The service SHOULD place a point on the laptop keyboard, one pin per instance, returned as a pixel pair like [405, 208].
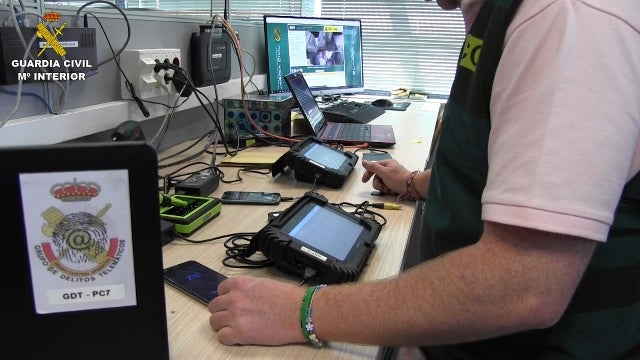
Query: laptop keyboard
[355, 132]
[352, 112]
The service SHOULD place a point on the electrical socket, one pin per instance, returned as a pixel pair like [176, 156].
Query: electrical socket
[139, 64]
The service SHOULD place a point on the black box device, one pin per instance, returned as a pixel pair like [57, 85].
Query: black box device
[318, 241]
[314, 161]
[210, 56]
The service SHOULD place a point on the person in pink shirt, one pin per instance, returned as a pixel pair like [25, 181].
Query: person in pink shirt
[531, 226]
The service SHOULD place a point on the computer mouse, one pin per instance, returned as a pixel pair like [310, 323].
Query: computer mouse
[383, 103]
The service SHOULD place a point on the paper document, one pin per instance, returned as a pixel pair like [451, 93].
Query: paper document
[255, 156]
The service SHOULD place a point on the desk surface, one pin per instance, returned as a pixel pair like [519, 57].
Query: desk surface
[191, 337]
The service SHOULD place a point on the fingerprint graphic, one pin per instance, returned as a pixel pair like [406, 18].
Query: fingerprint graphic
[81, 238]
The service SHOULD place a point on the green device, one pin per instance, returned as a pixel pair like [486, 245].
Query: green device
[193, 212]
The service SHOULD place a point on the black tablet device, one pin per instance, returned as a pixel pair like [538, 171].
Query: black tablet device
[82, 229]
[318, 241]
[314, 161]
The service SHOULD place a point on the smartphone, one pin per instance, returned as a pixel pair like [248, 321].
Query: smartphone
[250, 197]
[375, 156]
[194, 279]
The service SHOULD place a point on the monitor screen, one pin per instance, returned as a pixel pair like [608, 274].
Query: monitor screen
[328, 52]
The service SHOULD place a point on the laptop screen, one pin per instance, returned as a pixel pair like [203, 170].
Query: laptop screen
[308, 105]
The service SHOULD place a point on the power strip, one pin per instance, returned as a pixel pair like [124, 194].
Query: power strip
[140, 67]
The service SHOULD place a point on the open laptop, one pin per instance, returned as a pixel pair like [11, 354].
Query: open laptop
[340, 133]
[81, 229]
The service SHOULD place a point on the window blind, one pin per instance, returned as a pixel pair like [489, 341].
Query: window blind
[247, 10]
[410, 43]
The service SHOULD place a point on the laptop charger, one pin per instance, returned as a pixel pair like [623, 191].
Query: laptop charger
[201, 184]
[198, 211]
[166, 231]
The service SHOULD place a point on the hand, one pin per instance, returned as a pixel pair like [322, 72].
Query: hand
[389, 176]
[257, 311]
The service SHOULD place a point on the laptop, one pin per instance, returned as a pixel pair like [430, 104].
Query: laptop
[374, 135]
[81, 229]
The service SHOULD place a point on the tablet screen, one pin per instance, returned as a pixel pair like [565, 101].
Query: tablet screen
[325, 156]
[325, 230]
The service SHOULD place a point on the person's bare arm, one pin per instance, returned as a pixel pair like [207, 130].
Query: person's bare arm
[513, 279]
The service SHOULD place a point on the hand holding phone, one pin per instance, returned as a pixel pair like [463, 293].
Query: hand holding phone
[194, 279]
[250, 198]
[375, 156]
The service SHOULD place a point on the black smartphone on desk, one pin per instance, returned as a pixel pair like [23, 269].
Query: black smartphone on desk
[194, 279]
[250, 198]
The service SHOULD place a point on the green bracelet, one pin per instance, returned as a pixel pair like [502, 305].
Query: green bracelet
[306, 322]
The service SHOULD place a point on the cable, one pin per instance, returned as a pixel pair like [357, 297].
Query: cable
[164, 126]
[124, 16]
[46, 104]
[185, 81]
[27, 53]
[239, 253]
[363, 211]
[183, 151]
[250, 81]
[128, 85]
[19, 92]
[63, 95]
[236, 44]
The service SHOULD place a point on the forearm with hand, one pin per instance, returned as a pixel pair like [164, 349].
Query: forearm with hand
[513, 279]
[390, 177]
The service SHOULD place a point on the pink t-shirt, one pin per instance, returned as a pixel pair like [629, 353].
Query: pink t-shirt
[565, 113]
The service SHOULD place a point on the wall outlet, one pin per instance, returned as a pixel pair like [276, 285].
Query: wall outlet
[139, 64]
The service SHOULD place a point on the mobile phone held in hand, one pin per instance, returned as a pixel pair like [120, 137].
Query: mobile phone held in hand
[375, 156]
[194, 279]
[250, 198]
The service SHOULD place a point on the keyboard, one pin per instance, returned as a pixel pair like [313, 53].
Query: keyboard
[374, 92]
[355, 132]
[351, 112]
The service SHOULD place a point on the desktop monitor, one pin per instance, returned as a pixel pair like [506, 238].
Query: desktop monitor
[327, 51]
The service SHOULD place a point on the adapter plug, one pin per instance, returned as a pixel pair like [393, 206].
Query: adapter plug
[181, 82]
[201, 184]
[166, 231]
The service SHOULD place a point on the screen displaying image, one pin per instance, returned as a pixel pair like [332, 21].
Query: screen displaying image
[328, 52]
[324, 155]
[325, 230]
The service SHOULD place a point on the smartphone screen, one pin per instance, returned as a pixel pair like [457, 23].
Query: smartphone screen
[194, 279]
[250, 197]
[375, 156]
